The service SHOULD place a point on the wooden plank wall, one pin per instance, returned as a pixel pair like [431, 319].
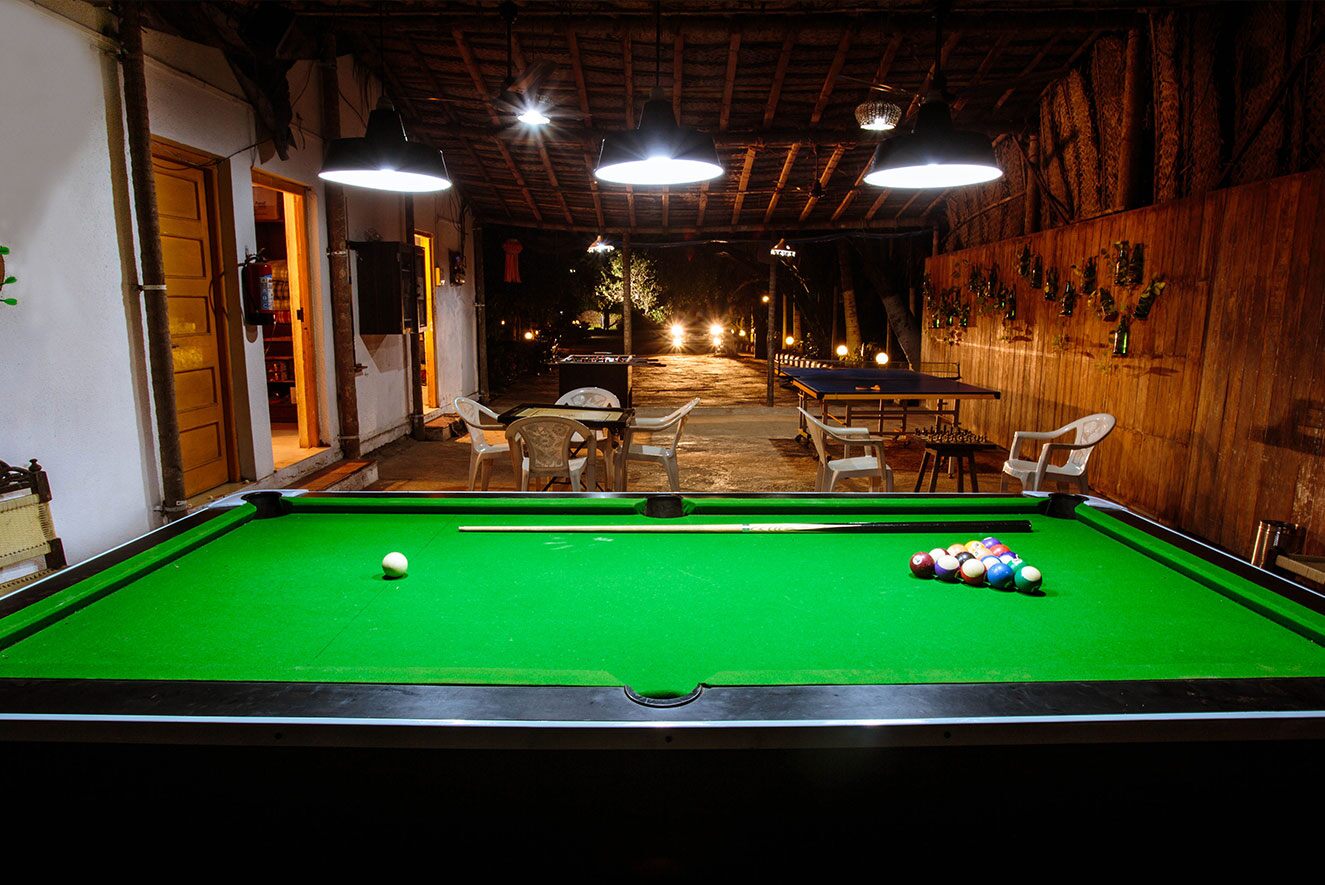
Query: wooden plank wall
[1221, 403]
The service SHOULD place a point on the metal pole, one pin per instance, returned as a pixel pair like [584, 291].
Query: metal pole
[413, 335]
[156, 301]
[338, 261]
[626, 301]
[771, 347]
[481, 314]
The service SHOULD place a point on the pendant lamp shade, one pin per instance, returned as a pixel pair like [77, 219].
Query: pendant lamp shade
[383, 160]
[933, 154]
[659, 152]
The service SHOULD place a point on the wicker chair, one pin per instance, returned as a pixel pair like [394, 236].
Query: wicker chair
[27, 531]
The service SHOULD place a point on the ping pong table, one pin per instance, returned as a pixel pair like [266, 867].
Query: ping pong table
[900, 393]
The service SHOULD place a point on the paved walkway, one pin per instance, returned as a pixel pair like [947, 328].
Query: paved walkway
[733, 442]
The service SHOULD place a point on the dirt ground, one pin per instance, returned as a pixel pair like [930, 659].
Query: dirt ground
[733, 442]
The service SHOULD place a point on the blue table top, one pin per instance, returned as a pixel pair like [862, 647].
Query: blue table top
[888, 383]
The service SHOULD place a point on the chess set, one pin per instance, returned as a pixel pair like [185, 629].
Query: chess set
[957, 436]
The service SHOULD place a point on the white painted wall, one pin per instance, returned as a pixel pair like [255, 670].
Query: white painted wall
[74, 386]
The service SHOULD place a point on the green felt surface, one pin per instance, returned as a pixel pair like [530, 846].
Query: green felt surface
[301, 597]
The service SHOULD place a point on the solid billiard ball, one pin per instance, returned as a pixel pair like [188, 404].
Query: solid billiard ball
[1028, 579]
[395, 565]
[1000, 577]
[946, 568]
[937, 552]
[990, 541]
[922, 565]
[954, 549]
[998, 549]
[962, 557]
[973, 572]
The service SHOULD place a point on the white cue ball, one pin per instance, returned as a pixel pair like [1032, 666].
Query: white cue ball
[395, 565]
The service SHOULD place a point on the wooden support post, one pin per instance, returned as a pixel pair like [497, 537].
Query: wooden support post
[772, 346]
[338, 260]
[155, 299]
[626, 300]
[481, 314]
[850, 318]
[1031, 221]
[1129, 157]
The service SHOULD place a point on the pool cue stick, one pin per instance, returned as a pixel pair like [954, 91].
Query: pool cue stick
[744, 528]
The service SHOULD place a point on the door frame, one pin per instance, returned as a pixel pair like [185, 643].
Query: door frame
[429, 246]
[303, 331]
[215, 182]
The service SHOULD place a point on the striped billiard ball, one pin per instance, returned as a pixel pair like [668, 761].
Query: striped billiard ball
[1028, 579]
[973, 572]
[946, 568]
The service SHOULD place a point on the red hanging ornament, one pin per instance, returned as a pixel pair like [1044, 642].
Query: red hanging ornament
[512, 248]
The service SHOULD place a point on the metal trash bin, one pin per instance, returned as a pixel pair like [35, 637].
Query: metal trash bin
[1275, 536]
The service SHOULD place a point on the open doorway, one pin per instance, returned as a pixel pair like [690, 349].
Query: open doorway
[288, 344]
[428, 358]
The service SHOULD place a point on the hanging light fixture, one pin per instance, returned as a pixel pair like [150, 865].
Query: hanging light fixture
[600, 245]
[383, 160]
[659, 152]
[878, 115]
[782, 250]
[934, 154]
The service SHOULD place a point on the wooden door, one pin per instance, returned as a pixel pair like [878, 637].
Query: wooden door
[194, 286]
[302, 312]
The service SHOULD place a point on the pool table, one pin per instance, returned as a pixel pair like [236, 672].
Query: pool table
[267, 619]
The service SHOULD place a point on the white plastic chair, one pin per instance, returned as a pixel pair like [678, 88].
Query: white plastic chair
[874, 467]
[482, 453]
[1087, 432]
[541, 447]
[664, 435]
[595, 398]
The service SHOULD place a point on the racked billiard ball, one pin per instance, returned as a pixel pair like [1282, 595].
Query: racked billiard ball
[998, 549]
[1029, 579]
[973, 572]
[1000, 577]
[963, 556]
[990, 541]
[937, 552]
[954, 549]
[922, 565]
[989, 561]
[946, 568]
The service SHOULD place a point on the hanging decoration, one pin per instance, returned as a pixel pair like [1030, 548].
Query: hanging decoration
[512, 248]
[1069, 299]
[1087, 272]
[1105, 307]
[1147, 300]
[1024, 262]
[1122, 336]
[1051, 284]
[6, 280]
[457, 268]
[1037, 273]
[1122, 263]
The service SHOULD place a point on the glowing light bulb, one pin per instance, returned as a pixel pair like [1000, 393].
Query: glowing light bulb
[881, 358]
[841, 350]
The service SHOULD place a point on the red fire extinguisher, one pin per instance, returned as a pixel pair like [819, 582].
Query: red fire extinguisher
[258, 291]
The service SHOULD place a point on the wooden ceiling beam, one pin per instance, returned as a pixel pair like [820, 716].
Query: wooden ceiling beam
[787, 163]
[481, 90]
[743, 228]
[779, 75]
[994, 53]
[628, 73]
[742, 185]
[877, 205]
[949, 45]
[880, 76]
[552, 179]
[678, 72]
[934, 202]
[465, 143]
[915, 195]
[729, 81]
[1034, 63]
[586, 115]
[830, 81]
[829, 168]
